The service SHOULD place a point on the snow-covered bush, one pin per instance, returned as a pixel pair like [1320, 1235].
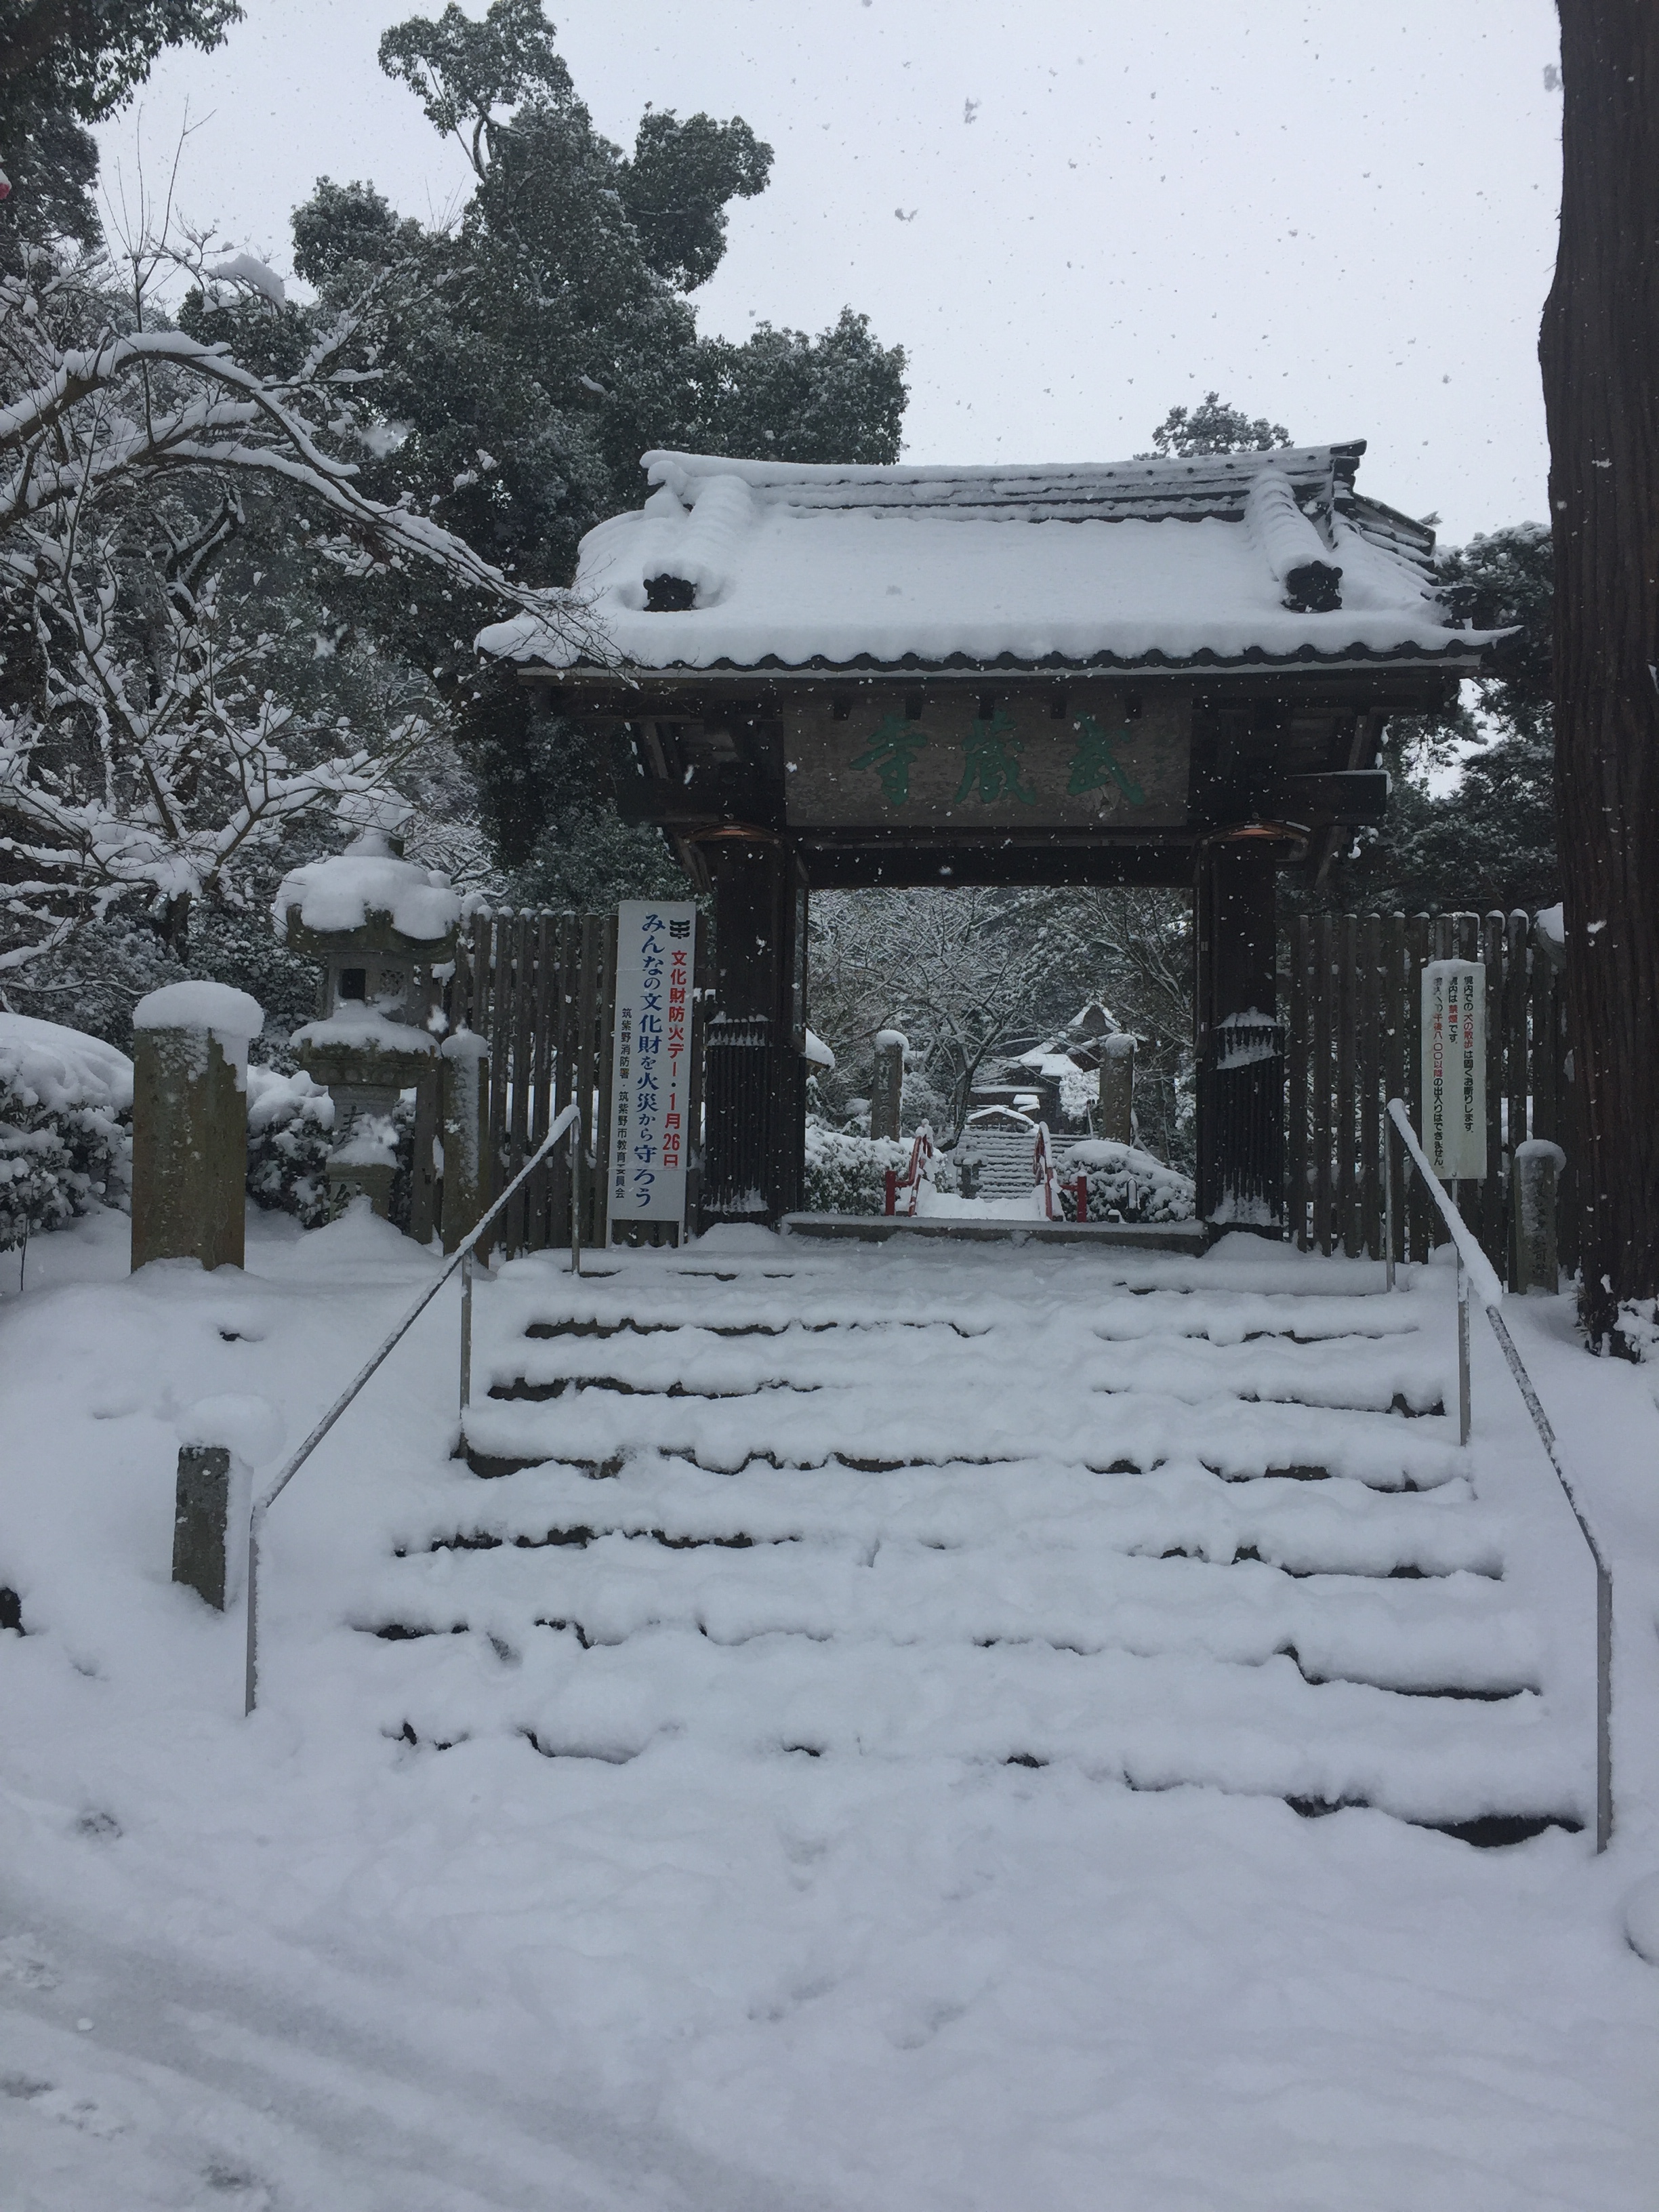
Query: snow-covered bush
[290, 1133]
[847, 1174]
[1125, 1183]
[1636, 1337]
[65, 1126]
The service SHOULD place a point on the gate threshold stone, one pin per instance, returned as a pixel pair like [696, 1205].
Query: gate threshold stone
[1190, 1236]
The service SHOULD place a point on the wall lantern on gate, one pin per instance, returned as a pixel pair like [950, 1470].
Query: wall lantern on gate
[384, 930]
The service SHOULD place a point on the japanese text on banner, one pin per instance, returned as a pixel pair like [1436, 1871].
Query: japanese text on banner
[651, 1063]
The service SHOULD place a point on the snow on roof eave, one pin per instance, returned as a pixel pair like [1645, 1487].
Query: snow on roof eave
[1467, 647]
[661, 464]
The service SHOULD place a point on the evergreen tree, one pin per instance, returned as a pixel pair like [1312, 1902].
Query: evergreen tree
[1212, 426]
[531, 355]
[1489, 841]
[64, 63]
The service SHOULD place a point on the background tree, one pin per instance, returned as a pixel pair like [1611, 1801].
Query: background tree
[551, 339]
[64, 64]
[1213, 426]
[1599, 349]
[972, 974]
[1489, 840]
[149, 747]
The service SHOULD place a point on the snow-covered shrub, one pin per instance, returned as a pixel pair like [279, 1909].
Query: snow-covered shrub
[290, 1133]
[65, 1126]
[1125, 1183]
[1636, 1337]
[847, 1174]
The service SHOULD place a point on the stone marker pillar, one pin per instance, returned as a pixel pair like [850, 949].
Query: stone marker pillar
[1117, 1088]
[190, 1123]
[201, 1521]
[1537, 1261]
[888, 1088]
[465, 1134]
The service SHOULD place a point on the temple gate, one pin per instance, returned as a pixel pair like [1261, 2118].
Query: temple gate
[1172, 673]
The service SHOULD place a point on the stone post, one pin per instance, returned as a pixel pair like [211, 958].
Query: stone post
[465, 1133]
[888, 1087]
[201, 1521]
[1537, 1263]
[1117, 1088]
[190, 1123]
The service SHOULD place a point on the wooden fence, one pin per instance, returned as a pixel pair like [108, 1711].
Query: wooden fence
[541, 987]
[1354, 998]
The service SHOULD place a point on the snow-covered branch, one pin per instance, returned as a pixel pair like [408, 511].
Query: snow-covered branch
[75, 432]
[145, 751]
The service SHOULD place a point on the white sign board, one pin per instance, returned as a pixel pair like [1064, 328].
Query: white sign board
[651, 1061]
[1455, 1068]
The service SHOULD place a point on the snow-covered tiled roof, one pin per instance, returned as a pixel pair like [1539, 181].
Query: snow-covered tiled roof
[1236, 557]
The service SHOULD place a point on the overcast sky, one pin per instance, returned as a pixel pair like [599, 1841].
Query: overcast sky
[1343, 216]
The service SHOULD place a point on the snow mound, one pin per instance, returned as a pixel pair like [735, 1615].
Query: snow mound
[250, 1428]
[370, 1032]
[201, 1005]
[1125, 1183]
[369, 879]
[52, 1066]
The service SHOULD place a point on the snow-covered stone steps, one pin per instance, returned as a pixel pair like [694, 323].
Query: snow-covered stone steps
[1339, 1527]
[1397, 1373]
[1157, 1720]
[1428, 1636]
[1163, 1520]
[870, 1428]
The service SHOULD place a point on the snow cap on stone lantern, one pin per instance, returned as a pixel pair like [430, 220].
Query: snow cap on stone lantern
[372, 918]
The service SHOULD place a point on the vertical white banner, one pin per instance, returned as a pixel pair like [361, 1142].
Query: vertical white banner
[651, 1061]
[1455, 1068]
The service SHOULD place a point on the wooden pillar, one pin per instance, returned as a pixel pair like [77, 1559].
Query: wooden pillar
[755, 1064]
[1240, 1044]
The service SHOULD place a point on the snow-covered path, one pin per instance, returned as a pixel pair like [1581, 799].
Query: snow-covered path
[323, 1967]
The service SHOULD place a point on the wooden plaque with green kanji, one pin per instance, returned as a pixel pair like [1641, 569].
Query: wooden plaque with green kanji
[1112, 761]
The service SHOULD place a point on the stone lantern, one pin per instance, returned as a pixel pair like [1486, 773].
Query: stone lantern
[383, 929]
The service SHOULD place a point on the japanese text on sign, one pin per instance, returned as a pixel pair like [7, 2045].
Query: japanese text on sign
[1455, 1068]
[651, 1061]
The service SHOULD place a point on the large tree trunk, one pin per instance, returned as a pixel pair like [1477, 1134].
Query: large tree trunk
[1598, 348]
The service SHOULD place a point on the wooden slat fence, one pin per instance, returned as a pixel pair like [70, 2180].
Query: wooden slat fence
[1353, 997]
[541, 987]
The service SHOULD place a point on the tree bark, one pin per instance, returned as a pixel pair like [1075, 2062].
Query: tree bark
[1599, 351]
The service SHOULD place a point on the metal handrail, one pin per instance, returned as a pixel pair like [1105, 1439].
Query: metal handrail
[1475, 1269]
[462, 1257]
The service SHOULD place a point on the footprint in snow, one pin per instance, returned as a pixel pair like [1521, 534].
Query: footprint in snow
[23, 1963]
[54, 2103]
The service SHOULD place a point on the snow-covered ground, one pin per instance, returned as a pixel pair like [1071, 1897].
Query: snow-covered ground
[295, 1961]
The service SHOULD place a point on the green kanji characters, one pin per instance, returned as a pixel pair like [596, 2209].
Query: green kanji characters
[1094, 763]
[891, 753]
[991, 753]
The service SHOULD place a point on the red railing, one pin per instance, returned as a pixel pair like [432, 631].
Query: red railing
[921, 1151]
[1042, 1172]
